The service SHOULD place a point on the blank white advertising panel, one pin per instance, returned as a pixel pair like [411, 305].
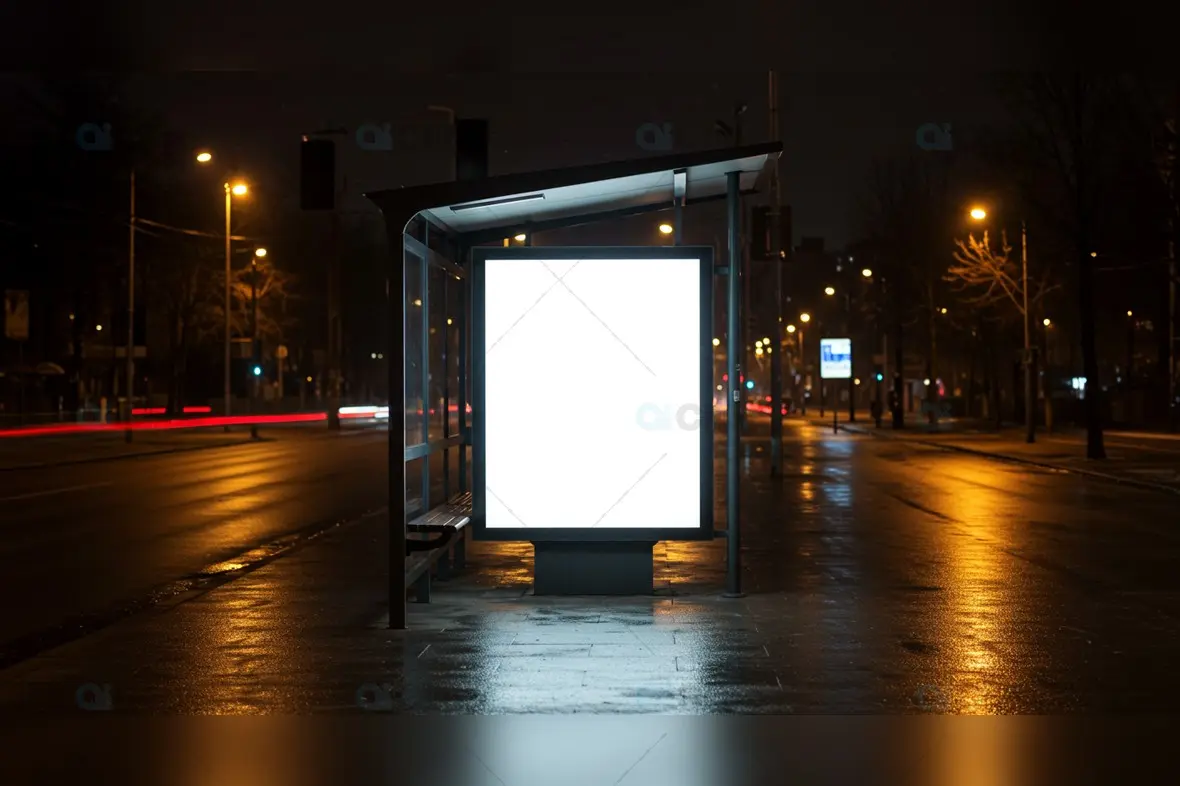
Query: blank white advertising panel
[592, 393]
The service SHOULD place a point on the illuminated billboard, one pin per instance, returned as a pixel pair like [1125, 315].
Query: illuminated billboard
[592, 404]
[835, 358]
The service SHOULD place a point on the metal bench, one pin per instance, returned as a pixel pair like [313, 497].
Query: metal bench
[437, 539]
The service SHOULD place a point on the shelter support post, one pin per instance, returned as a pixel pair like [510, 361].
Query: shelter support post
[733, 404]
[395, 287]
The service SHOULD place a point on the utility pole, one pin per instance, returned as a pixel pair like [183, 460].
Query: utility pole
[852, 358]
[1030, 435]
[776, 360]
[130, 313]
[228, 273]
[254, 344]
[1170, 177]
[334, 342]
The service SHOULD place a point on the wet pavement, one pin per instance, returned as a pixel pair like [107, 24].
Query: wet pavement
[1147, 459]
[881, 577]
[85, 543]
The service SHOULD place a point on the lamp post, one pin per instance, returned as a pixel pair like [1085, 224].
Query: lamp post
[238, 189]
[256, 368]
[1030, 429]
[130, 315]
[804, 318]
[231, 190]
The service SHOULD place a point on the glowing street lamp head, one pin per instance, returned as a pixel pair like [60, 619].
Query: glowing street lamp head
[978, 213]
[758, 344]
[867, 273]
[238, 189]
[805, 317]
[665, 229]
[521, 237]
[204, 157]
[260, 252]
[1047, 322]
[829, 291]
[791, 328]
[716, 342]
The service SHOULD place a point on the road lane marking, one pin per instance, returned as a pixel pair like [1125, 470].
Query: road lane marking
[51, 492]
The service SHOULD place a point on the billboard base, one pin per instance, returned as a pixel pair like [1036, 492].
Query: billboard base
[593, 568]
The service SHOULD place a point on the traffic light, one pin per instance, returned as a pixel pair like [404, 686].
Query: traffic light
[317, 174]
[749, 384]
[258, 371]
[880, 376]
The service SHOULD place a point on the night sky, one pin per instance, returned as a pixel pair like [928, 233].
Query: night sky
[565, 85]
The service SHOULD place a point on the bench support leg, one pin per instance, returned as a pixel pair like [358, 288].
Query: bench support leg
[444, 564]
[422, 588]
[461, 550]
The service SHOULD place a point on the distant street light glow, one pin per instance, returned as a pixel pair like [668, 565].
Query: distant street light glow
[791, 328]
[805, 317]
[978, 213]
[665, 229]
[1047, 322]
[204, 158]
[521, 237]
[260, 252]
[829, 291]
[716, 342]
[867, 273]
[238, 189]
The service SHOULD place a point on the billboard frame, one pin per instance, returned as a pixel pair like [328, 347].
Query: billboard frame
[822, 341]
[704, 530]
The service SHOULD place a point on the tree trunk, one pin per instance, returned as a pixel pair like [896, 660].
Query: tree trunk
[898, 365]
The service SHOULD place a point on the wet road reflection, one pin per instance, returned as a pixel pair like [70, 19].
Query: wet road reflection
[879, 578]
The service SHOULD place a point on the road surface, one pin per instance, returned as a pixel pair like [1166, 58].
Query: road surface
[96, 538]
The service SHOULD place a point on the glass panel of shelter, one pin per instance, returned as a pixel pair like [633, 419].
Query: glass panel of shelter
[436, 327]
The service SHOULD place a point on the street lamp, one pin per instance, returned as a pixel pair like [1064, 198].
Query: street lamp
[790, 328]
[521, 237]
[231, 190]
[867, 273]
[979, 214]
[665, 229]
[805, 317]
[829, 291]
[716, 342]
[260, 252]
[1046, 322]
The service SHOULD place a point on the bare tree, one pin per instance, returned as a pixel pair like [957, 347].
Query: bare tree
[988, 277]
[1071, 127]
[273, 288]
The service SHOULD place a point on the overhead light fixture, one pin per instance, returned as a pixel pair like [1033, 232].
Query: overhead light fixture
[512, 200]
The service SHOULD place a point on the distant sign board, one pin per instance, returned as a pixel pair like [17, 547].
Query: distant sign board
[16, 314]
[835, 358]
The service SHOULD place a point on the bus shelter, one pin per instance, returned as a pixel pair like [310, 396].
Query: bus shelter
[440, 233]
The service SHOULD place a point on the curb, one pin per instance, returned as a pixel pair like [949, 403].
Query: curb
[1132, 482]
